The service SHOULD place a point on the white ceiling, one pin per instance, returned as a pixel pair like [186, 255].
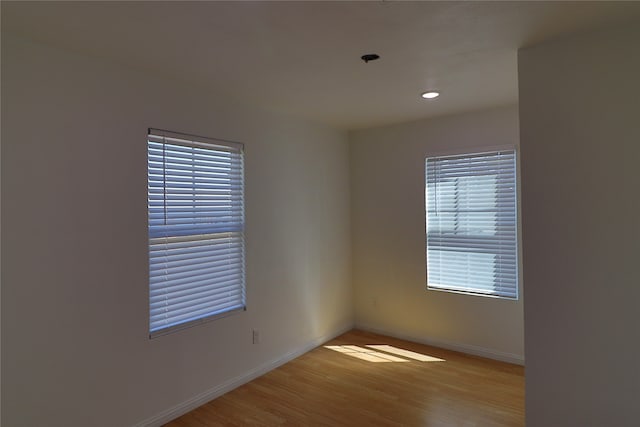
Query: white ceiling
[303, 58]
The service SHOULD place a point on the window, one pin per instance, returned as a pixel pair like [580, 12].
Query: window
[196, 230]
[472, 224]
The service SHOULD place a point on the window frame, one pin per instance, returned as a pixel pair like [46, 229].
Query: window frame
[474, 151]
[210, 229]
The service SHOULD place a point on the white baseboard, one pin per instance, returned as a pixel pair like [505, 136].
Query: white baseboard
[462, 348]
[208, 395]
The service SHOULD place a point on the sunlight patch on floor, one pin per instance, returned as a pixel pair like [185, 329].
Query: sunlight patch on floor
[406, 353]
[364, 353]
[382, 353]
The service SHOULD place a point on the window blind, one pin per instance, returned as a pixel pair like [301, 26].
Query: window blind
[472, 224]
[196, 229]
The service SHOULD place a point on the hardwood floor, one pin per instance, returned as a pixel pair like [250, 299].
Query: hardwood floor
[350, 381]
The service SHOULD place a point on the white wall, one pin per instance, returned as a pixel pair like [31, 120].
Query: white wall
[388, 237]
[580, 138]
[75, 341]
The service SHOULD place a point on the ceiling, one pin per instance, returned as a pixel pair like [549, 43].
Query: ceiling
[303, 58]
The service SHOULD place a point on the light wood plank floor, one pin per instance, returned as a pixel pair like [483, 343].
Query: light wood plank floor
[363, 379]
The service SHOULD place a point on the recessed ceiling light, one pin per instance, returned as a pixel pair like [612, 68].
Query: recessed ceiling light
[430, 95]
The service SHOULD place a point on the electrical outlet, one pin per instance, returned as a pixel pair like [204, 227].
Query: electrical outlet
[256, 336]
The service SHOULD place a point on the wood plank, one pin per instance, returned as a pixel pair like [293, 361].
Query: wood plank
[365, 379]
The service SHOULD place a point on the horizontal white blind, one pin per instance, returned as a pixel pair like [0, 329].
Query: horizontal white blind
[471, 224]
[196, 229]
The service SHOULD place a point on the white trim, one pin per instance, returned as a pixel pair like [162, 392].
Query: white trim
[217, 391]
[462, 348]
[472, 150]
[194, 140]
